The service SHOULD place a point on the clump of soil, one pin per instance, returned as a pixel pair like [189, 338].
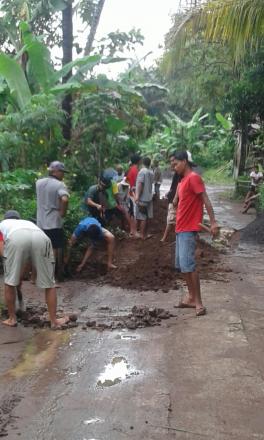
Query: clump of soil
[138, 318]
[254, 232]
[37, 317]
[149, 265]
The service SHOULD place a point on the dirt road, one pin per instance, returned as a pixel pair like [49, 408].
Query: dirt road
[187, 378]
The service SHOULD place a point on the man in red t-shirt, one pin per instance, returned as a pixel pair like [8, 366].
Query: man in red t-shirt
[190, 199]
[131, 178]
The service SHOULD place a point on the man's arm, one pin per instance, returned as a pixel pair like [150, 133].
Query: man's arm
[139, 189]
[176, 199]
[64, 201]
[91, 203]
[208, 206]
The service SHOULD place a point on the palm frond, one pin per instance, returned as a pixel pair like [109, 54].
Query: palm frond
[238, 23]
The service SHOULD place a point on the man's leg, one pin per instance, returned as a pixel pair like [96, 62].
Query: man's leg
[51, 300]
[10, 298]
[185, 253]
[166, 232]
[193, 283]
[110, 240]
[143, 229]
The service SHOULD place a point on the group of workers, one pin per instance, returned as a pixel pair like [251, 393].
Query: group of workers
[126, 196]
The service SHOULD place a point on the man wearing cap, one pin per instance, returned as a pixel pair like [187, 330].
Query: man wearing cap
[91, 228]
[102, 201]
[189, 201]
[52, 204]
[21, 241]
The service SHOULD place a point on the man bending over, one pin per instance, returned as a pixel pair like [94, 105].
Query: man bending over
[91, 228]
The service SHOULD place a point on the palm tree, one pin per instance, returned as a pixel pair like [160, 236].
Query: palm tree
[238, 23]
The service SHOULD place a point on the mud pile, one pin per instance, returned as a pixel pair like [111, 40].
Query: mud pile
[37, 317]
[138, 318]
[148, 265]
[254, 232]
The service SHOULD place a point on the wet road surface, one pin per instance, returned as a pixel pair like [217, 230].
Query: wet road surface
[186, 379]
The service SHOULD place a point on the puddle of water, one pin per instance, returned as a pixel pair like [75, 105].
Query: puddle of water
[39, 352]
[126, 337]
[91, 421]
[115, 372]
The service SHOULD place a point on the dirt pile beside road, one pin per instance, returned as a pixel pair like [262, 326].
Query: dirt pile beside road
[149, 265]
[254, 232]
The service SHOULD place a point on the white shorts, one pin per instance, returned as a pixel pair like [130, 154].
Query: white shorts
[26, 245]
[171, 216]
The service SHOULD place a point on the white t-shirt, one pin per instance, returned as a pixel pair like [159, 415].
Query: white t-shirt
[10, 225]
[255, 177]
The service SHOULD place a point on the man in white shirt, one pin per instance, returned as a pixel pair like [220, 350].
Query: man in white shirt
[22, 241]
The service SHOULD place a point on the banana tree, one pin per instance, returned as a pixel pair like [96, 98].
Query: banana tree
[40, 75]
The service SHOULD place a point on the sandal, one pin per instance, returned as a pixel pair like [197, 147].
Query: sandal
[183, 305]
[201, 311]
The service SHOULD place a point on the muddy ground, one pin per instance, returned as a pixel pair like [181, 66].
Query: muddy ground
[149, 265]
[185, 378]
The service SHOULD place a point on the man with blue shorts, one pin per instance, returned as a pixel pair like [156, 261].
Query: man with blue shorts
[189, 200]
[91, 228]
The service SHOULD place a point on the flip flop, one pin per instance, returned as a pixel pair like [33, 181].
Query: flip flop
[183, 305]
[201, 311]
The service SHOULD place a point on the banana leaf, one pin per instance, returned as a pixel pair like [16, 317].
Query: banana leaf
[13, 73]
[39, 64]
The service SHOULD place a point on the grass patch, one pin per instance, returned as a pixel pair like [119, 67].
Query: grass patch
[218, 176]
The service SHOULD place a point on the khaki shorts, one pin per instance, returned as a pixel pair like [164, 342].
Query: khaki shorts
[144, 210]
[26, 245]
[171, 216]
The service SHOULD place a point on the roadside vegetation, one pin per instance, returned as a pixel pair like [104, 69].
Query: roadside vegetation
[205, 94]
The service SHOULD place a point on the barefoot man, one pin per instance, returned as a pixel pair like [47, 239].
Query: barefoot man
[189, 200]
[91, 228]
[22, 241]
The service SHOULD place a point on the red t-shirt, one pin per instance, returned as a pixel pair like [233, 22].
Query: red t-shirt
[190, 206]
[132, 175]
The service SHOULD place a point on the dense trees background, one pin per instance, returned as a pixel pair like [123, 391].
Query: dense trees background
[204, 94]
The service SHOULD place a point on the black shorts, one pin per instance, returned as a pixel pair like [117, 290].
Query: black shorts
[56, 237]
[252, 188]
[109, 213]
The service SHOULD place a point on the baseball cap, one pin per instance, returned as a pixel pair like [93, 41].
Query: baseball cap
[11, 214]
[57, 166]
[105, 180]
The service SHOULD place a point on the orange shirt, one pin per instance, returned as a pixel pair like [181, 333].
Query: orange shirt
[190, 206]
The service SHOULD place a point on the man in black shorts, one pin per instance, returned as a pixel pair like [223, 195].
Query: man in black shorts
[52, 204]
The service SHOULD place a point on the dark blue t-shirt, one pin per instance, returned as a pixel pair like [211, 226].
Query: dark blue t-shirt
[84, 225]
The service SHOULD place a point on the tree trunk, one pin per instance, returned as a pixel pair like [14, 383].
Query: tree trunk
[94, 26]
[241, 152]
[67, 44]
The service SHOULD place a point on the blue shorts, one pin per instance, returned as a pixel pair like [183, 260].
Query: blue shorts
[185, 251]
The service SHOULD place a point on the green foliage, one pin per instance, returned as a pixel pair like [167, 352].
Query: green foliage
[17, 191]
[261, 199]
[15, 78]
[74, 214]
[107, 128]
[32, 137]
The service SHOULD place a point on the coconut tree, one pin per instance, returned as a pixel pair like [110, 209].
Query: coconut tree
[238, 23]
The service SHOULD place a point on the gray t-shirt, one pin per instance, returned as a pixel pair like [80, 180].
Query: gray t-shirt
[145, 176]
[49, 192]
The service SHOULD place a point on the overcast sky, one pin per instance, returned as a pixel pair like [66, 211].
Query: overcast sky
[152, 17]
